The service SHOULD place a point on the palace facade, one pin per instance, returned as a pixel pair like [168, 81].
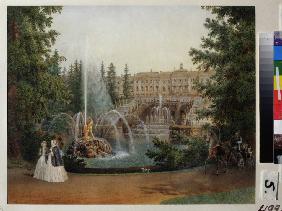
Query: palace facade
[177, 83]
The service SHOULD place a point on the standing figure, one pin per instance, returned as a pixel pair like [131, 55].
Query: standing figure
[236, 141]
[55, 168]
[41, 165]
[56, 157]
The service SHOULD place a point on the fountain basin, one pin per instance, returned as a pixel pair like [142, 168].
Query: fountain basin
[122, 158]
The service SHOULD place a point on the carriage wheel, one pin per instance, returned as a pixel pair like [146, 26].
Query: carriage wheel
[250, 162]
[241, 162]
[232, 160]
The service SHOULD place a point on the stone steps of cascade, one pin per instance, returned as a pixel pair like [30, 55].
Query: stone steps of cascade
[123, 109]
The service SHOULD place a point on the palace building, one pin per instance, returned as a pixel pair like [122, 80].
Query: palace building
[177, 83]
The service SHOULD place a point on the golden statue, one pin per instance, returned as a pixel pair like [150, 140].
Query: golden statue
[87, 129]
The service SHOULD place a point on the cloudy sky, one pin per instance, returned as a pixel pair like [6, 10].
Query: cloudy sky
[144, 37]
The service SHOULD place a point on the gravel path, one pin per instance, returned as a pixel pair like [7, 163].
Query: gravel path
[140, 188]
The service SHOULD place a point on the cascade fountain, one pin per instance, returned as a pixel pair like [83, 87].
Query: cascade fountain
[158, 121]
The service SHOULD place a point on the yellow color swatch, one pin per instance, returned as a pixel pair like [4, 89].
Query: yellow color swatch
[275, 84]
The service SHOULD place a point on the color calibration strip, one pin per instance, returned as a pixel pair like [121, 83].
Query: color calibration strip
[277, 96]
[266, 96]
[277, 80]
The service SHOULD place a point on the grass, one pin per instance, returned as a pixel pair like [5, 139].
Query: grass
[239, 196]
[19, 163]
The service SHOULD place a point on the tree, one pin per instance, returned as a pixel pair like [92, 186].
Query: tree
[54, 63]
[35, 88]
[74, 82]
[102, 71]
[229, 50]
[111, 83]
[127, 88]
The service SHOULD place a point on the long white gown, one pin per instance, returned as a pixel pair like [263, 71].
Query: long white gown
[55, 173]
[41, 165]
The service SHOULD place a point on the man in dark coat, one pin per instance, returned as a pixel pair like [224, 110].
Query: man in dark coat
[56, 157]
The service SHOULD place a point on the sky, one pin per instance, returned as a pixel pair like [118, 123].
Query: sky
[144, 37]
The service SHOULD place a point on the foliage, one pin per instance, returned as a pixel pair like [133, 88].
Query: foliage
[31, 143]
[196, 153]
[74, 83]
[53, 63]
[71, 162]
[178, 138]
[35, 87]
[229, 51]
[111, 83]
[167, 156]
[127, 86]
[174, 156]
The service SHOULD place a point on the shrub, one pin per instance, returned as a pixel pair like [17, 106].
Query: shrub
[166, 155]
[71, 162]
[196, 153]
[174, 156]
[31, 143]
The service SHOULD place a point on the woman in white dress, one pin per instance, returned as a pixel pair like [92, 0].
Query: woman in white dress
[55, 171]
[41, 165]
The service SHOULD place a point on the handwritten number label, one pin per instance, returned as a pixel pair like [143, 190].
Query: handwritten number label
[269, 184]
[270, 208]
[270, 181]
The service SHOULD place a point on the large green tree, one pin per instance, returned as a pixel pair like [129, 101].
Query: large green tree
[127, 87]
[35, 88]
[111, 83]
[229, 51]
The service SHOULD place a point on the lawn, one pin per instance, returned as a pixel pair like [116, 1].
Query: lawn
[239, 196]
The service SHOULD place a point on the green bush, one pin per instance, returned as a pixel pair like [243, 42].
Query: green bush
[174, 156]
[178, 138]
[31, 143]
[167, 155]
[196, 153]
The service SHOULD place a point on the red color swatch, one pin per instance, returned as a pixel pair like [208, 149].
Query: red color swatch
[277, 106]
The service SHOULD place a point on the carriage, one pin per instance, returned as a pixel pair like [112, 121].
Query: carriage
[225, 155]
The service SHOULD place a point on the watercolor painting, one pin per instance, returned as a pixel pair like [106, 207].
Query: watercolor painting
[131, 104]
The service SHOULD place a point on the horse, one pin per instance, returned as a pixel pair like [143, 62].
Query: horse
[217, 151]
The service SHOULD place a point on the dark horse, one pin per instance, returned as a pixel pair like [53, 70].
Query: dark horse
[217, 152]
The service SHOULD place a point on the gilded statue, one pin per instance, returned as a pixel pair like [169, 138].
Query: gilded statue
[87, 129]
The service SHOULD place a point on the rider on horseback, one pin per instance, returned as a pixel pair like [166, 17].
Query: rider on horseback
[236, 141]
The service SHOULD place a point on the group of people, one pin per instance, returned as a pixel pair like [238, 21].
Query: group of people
[50, 165]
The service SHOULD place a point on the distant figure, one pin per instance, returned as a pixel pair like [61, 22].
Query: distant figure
[55, 171]
[60, 145]
[236, 141]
